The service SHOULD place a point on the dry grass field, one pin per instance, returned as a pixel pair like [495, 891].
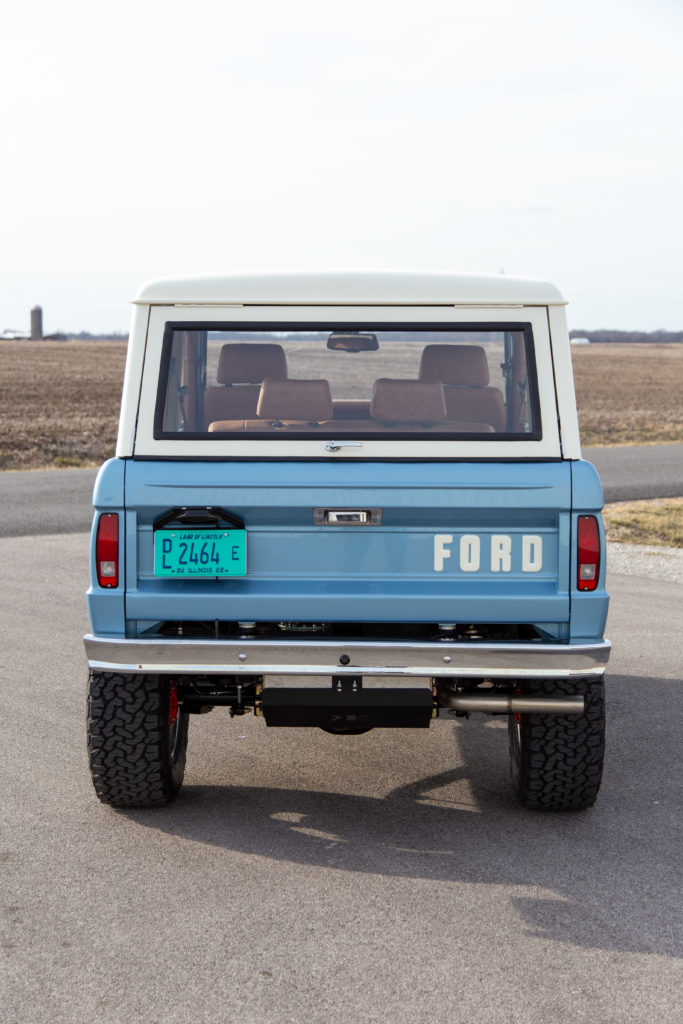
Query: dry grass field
[629, 394]
[658, 521]
[59, 401]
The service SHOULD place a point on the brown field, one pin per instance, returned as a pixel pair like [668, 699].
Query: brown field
[629, 394]
[59, 401]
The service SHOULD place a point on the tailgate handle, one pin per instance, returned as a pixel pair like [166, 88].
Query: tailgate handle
[347, 516]
[334, 446]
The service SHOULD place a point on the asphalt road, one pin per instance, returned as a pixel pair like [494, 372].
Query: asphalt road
[646, 471]
[58, 501]
[302, 877]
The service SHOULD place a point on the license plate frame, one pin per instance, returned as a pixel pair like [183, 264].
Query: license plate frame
[202, 553]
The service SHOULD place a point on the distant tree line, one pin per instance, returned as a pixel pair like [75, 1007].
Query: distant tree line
[88, 336]
[651, 337]
[624, 337]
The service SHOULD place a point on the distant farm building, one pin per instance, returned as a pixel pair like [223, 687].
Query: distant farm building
[36, 323]
[10, 335]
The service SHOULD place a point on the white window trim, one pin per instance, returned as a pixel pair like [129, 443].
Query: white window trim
[147, 445]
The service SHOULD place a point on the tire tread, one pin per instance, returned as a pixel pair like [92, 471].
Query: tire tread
[559, 766]
[128, 740]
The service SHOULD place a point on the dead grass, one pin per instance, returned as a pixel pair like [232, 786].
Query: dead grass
[629, 394]
[659, 521]
[59, 401]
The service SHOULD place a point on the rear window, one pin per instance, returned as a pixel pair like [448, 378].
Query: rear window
[347, 381]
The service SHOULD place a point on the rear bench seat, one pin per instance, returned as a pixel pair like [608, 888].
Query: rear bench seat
[306, 405]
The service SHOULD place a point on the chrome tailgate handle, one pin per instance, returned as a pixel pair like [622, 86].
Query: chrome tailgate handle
[347, 516]
[334, 446]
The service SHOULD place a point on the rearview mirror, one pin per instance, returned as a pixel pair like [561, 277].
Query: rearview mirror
[352, 342]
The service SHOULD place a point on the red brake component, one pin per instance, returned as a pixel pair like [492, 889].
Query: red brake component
[173, 703]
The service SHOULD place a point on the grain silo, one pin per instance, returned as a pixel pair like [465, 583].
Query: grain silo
[36, 323]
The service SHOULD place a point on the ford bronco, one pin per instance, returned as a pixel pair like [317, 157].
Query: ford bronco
[348, 501]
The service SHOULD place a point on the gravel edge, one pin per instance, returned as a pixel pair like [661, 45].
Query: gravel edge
[648, 560]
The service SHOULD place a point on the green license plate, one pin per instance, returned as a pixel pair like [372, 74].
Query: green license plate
[195, 553]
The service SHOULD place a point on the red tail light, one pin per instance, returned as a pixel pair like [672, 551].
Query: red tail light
[107, 550]
[588, 570]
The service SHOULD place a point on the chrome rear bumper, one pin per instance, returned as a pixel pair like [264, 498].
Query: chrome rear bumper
[333, 657]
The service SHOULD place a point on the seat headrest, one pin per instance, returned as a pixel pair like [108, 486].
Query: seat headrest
[250, 363]
[408, 401]
[455, 364]
[294, 401]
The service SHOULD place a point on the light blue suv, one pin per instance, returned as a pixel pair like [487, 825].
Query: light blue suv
[348, 501]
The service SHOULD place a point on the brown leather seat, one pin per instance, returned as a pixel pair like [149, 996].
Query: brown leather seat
[242, 367]
[285, 402]
[407, 401]
[464, 372]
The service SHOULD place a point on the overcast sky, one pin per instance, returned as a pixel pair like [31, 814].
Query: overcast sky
[142, 139]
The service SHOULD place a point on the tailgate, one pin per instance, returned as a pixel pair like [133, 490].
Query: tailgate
[445, 542]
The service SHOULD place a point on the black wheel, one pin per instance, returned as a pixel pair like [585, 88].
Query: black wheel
[137, 739]
[556, 760]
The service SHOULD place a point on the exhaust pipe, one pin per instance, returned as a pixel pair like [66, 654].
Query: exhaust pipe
[514, 705]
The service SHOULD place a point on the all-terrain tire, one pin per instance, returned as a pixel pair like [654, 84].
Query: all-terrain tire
[137, 739]
[556, 760]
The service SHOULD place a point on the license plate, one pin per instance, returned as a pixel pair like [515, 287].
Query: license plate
[196, 553]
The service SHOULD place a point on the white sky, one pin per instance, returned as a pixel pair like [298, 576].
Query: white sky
[140, 139]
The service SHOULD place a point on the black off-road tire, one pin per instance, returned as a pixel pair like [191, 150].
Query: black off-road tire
[137, 739]
[556, 760]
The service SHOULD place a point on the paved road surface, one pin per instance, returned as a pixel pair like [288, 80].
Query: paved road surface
[58, 501]
[308, 878]
[46, 501]
[647, 471]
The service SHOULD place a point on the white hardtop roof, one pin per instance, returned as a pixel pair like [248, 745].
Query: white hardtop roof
[330, 288]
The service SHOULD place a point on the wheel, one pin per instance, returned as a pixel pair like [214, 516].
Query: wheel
[556, 760]
[137, 739]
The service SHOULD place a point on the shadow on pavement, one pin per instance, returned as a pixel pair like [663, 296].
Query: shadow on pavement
[589, 883]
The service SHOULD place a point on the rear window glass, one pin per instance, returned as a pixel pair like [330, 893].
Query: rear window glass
[342, 381]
